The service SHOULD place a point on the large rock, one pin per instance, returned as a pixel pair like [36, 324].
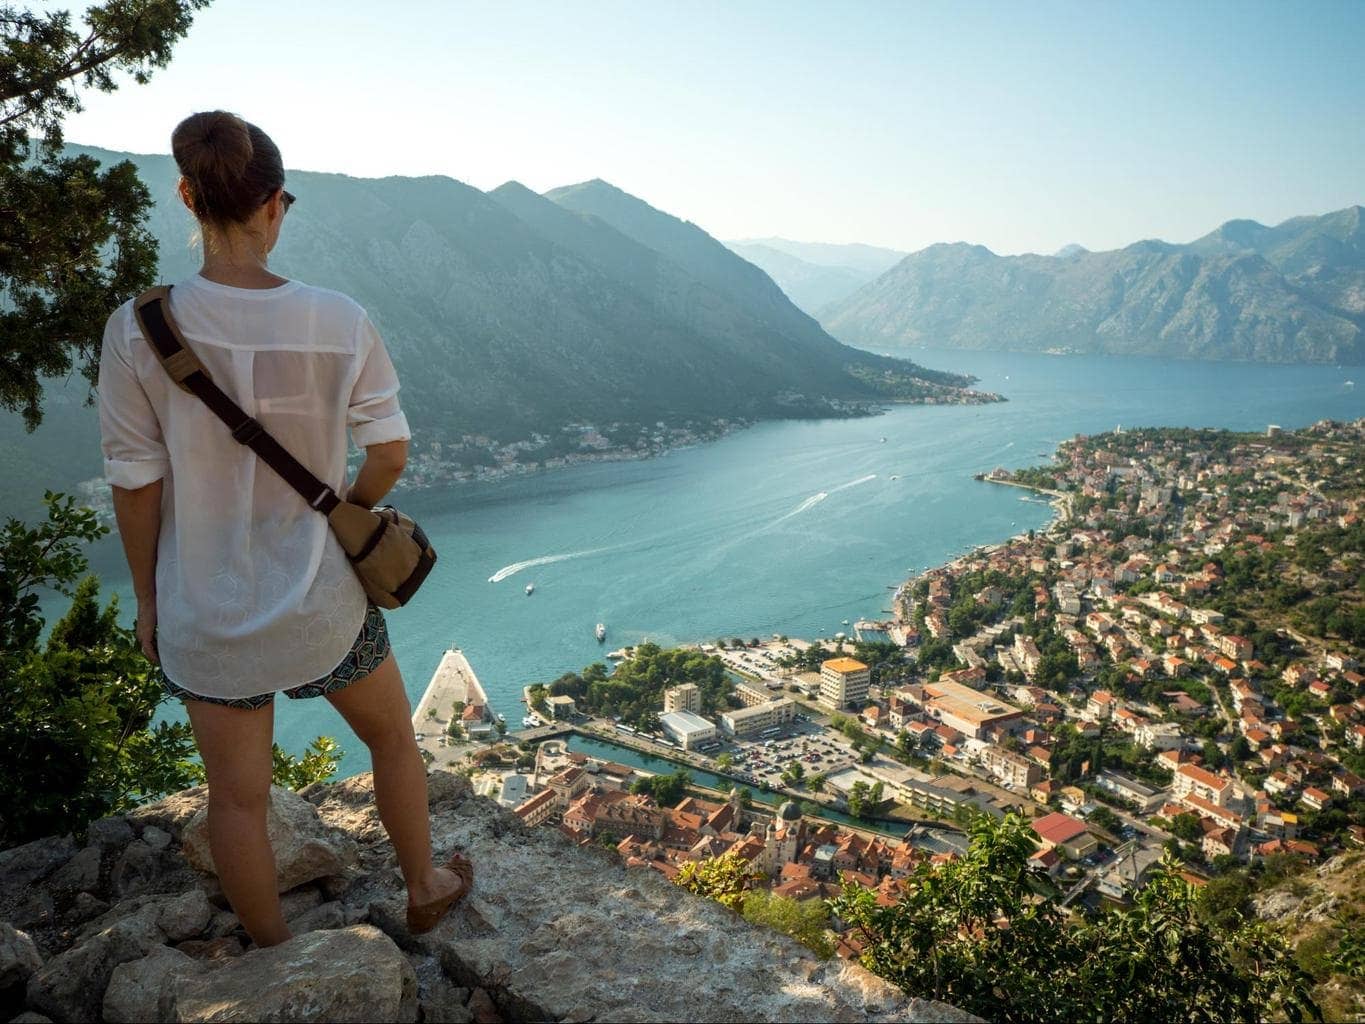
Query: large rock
[171, 813]
[185, 916]
[32, 862]
[175, 917]
[109, 833]
[356, 974]
[144, 990]
[24, 902]
[19, 959]
[79, 874]
[305, 849]
[18, 956]
[136, 870]
[71, 986]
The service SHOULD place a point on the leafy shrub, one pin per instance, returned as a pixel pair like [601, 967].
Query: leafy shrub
[977, 934]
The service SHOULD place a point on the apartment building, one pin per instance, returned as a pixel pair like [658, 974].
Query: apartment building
[844, 683]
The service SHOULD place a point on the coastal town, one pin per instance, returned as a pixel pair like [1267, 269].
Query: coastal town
[1172, 667]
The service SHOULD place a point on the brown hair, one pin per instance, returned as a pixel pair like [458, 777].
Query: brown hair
[231, 165]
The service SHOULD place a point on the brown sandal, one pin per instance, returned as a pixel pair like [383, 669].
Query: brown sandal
[426, 916]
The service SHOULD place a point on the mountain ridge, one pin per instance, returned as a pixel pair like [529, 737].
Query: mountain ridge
[1292, 292]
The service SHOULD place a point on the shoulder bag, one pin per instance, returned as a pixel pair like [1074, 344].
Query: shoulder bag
[390, 553]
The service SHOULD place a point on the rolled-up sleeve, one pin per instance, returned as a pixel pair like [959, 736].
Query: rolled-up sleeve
[373, 414]
[130, 433]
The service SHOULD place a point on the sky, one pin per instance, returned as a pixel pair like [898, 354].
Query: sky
[1020, 126]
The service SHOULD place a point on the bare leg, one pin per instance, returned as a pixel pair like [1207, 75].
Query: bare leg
[235, 746]
[377, 710]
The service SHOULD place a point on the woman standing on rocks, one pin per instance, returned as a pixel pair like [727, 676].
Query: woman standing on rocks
[241, 587]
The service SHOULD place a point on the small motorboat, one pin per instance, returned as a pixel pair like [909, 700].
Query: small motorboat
[600, 632]
[530, 589]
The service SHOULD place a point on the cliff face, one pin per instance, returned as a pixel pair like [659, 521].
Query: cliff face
[126, 928]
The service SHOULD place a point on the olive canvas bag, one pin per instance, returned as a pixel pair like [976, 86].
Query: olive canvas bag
[390, 553]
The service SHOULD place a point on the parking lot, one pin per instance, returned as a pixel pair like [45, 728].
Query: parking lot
[817, 750]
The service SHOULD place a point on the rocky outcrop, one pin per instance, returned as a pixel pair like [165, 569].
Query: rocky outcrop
[550, 932]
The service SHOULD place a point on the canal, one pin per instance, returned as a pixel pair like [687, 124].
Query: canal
[933, 840]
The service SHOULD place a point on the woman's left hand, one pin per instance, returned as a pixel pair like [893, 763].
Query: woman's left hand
[146, 630]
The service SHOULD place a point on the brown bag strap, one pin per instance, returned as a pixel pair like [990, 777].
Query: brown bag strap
[152, 309]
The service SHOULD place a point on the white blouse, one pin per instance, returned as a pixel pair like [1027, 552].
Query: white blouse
[253, 592]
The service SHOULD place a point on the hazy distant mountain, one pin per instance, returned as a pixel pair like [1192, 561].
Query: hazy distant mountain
[509, 315]
[864, 259]
[815, 274]
[1290, 293]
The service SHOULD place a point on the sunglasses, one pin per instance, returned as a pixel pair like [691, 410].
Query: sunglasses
[288, 198]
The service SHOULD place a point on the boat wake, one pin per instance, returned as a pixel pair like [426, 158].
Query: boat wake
[853, 483]
[815, 499]
[516, 567]
[810, 502]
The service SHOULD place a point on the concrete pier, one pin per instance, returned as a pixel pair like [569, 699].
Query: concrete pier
[454, 680]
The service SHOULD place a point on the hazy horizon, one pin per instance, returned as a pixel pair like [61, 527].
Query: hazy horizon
[1020, 129]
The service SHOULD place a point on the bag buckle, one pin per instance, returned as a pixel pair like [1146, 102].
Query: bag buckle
[326, 497]
[247, 431]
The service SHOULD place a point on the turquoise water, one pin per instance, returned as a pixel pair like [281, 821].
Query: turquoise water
[783, 528]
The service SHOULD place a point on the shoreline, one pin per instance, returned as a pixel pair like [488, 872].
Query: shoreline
[717, 431]
[1061, 512]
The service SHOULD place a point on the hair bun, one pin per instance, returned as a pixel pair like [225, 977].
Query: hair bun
[214, 145]
[230, 165]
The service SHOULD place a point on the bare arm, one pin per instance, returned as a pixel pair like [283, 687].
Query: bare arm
[381, 469]
[139, 525]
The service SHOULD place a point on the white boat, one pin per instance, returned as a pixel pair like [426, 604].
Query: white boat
[600, 632]
[895, 477]
[530, 722]
[882, 441]
[530, 589]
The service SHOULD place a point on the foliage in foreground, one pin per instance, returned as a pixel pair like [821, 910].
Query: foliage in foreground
[73, 237]
[974, 933]
[77, 737]
[730, 880]
[76, 740]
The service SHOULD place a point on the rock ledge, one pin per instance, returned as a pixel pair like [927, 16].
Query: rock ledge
[125, 929]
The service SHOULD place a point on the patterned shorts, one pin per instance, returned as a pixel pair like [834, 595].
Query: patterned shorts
[368, 652]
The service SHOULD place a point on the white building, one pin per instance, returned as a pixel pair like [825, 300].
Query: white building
[688, 730]
[1159, 736]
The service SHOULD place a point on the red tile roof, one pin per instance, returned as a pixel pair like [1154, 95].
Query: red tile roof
[1058, 827]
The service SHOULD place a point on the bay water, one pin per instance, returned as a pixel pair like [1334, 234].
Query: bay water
[789, 527]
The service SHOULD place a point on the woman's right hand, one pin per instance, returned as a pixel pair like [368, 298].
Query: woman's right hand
[146, 630]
